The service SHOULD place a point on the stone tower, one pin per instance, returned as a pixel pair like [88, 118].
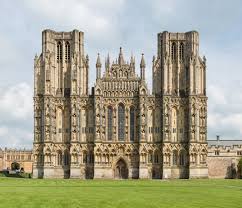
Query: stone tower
[60, 79]
[179, 80]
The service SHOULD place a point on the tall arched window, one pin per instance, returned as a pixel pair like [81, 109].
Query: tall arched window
[121, 122]
[156, 157]
[174, 157]
[59, 123]
[173, 51]
[59, 51]
[150, 157]
[174, 125]
[180, 124]
[67, 51]
[59, 158]
[84, 157]
[66, 158]
[132, 124]
[181, 52]
[110, 123]
[182, 157]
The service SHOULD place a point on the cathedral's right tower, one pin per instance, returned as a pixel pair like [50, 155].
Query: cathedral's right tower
[179, 82]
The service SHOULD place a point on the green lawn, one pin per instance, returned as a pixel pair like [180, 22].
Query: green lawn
[18, 192]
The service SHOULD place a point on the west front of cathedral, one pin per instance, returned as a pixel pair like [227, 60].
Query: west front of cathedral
[120, 130]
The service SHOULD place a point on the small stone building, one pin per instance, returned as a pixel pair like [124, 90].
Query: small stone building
[223, 157]
[23, 157]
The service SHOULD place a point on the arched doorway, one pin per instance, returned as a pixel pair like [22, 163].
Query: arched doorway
[15, 166]
[121, 170]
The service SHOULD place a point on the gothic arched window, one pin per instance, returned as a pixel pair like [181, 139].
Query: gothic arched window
[110, 123]
[174, 157]
[121, 122]
[59, 158]
[84, 157]
[173, 51]
[66, 158]
[59, 51]
[67, 51]
[132, 124]
[182, 157]
[156, 157]
[181, 52]
[150, 157]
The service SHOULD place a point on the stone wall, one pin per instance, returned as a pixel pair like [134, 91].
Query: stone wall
[222, 167]
[1, 163]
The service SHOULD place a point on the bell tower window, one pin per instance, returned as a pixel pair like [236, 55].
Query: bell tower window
[67, 51]
[181, 52]
[173, 51]
[59, 51]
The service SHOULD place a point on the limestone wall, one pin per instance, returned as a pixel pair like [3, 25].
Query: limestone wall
[1, 163]
[222, 167]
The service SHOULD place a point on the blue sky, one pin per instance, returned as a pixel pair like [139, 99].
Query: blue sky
[109, 24]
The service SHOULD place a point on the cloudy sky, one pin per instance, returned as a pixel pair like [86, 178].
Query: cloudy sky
[109, 24]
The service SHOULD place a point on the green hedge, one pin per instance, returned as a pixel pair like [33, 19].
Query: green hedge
[16, 175]
[240, 168]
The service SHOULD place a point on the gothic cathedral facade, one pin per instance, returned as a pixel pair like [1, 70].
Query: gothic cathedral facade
[120, 129]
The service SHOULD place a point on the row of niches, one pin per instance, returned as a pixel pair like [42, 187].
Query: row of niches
[120, 93]
[174, 158]
[120, 85]
[120, 73]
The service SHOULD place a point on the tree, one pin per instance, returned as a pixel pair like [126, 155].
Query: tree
[240, 168]
[15, 166]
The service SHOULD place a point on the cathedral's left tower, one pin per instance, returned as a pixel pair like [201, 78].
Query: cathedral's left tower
[60, 80]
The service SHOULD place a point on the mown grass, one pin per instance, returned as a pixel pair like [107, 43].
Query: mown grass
[17, 192]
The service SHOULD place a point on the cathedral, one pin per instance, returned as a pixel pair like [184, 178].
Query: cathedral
[120, 130]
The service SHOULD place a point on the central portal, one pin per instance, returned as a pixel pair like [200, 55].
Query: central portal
[121, 170]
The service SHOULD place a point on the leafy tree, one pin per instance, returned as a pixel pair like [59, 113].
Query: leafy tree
[240, 168]
[15, 166]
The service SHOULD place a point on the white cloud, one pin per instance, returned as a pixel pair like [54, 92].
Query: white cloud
[16, 102]
[16, 113]
[15, 137]
[95, 17]
[224, 111]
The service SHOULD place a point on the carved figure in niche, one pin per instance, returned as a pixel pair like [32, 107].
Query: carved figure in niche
[74, 120]
[98, 133]
[47, 110]
[166, 56]
[48, 57]
[98, 118]
[47, 120]
[74, 136]
[143, 134]
[37, 137]
[166, 119]
[193, 119]
[47, 87]
[143, 118]
[47, 135]
[74, 87]
[74, 109]
[193, 135]
[166, 135]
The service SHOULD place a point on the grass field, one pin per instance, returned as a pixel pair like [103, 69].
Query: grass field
[17, 192]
